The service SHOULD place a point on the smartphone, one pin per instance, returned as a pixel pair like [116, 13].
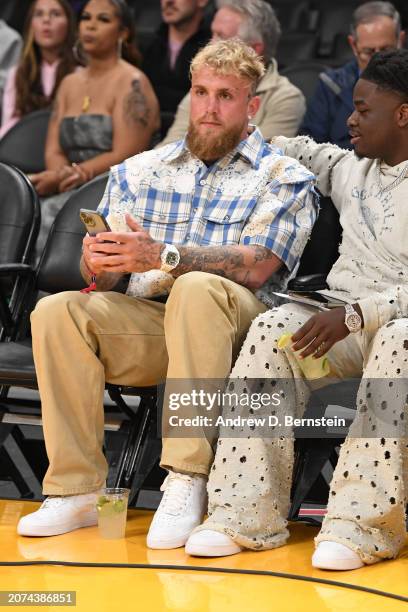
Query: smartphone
[312, 298]
[94, 221]
[315, 296]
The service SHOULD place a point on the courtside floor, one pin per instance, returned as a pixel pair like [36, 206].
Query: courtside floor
[170, 581]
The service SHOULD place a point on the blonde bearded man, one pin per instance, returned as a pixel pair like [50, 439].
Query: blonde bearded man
[217, 220]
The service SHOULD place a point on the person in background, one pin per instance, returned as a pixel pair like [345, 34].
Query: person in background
[10, 47]
[376, 26]
[282, 104]
[103, 114]
[167, 59]
[47, 57]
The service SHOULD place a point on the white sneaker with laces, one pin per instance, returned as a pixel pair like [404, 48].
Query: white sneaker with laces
[334, 556]
[209, 543]
[181, 509]
[58, 515]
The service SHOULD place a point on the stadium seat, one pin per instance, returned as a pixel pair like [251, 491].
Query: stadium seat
[334, 19]
[305, 76]
[296, 47]
[14, 12]
[293, 15]
[19, 225]
[57, 271]
[148, 20]
[23, 145]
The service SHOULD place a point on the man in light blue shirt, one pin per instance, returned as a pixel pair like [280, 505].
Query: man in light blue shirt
[215, 222]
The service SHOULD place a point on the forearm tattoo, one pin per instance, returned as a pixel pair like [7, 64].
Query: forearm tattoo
[226, 261]
[135, 105]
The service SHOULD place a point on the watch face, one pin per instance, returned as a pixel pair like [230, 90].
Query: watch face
[171, 259]
[354, 321]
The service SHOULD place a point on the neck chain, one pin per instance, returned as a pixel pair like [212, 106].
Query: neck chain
[392, 185]
[87, 99]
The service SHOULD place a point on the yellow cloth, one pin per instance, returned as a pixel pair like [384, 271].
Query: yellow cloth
[312, 368]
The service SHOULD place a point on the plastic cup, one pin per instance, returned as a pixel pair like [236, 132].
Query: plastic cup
[111, 507]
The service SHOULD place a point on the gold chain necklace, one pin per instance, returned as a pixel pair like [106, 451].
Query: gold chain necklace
[86, 103]
[87, 99]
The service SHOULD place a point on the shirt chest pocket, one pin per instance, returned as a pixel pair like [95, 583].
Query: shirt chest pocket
[225, 225]
[168, 222]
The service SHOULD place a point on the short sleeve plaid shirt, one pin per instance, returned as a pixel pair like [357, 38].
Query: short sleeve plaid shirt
[253, 196]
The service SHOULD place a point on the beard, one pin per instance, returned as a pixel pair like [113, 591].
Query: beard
[212, 146]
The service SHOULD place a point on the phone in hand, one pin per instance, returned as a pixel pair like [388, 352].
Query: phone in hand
[94, 221]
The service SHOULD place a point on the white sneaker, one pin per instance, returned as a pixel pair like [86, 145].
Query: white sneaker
[58, 515]
[181, 509]
[208, 543]
[333, 556]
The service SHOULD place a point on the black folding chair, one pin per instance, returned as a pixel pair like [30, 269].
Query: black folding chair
[23, 145]
[57, 271]
[305, 75]
[19, 224]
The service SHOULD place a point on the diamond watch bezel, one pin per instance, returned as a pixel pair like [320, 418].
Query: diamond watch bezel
[170, 258]
[352, 320]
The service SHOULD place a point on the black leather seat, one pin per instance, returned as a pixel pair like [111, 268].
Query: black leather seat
[295, 47]
[57, 271]
[335, 18]
[23, 145]
[19, 225]
[305, 75]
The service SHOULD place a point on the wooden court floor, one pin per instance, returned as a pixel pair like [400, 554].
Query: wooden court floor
[170, 580]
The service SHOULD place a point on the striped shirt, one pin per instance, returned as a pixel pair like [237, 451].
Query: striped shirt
[253, 196]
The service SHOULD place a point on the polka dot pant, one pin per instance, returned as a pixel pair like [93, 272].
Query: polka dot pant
[250, 480]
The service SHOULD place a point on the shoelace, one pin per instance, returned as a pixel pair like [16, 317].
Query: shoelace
[176, 489]
[52, 502]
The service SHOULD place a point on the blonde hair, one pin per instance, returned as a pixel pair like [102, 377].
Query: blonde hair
[230, 57]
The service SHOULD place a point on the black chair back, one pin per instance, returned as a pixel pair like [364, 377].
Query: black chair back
[322, 250]
[295, 47]
[59, 265]
[20, 216]
[305, 75]
[23, 145]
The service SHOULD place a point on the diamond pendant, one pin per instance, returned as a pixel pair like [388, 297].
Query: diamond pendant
[86, 103]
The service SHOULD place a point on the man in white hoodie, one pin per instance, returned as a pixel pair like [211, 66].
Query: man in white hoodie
[249, 485]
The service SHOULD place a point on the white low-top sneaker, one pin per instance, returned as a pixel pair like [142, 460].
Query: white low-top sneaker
[181, 509]
[209, 543]
[334, 556]
[58, 515]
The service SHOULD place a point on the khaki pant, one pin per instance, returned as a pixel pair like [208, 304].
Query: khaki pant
[249, 485]
[81, 340]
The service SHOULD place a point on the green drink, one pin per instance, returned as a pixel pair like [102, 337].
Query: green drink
[112, 512]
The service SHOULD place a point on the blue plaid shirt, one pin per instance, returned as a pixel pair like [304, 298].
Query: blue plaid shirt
[253, 196]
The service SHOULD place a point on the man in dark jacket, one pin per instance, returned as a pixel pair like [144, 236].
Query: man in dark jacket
[167, 60]
[376, 26]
